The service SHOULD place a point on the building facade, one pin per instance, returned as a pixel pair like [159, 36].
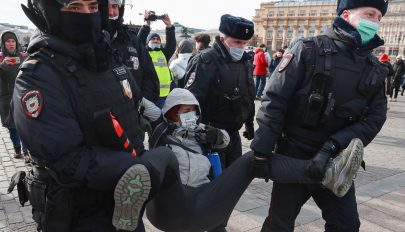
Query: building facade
[392, 29]
[278, 22]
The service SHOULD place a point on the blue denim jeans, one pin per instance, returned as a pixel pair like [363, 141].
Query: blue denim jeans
[260, 83]
[15, 139]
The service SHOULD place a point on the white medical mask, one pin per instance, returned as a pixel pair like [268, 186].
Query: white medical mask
[188, 120]
[113, 18]
[235, 53]
[153, 45]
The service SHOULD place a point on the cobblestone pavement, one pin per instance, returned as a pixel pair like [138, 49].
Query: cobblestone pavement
[380, 189]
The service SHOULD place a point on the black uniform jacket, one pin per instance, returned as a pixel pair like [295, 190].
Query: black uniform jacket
[137, 59]
[280, 109]
[49, 126]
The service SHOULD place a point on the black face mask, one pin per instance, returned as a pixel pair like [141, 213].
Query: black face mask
[80, 28]
[113, 25]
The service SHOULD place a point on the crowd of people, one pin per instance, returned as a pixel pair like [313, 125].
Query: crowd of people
[395, 81]
[80, 104]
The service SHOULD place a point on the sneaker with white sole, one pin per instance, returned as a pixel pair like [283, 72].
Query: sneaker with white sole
[130, 194]
[343, 168]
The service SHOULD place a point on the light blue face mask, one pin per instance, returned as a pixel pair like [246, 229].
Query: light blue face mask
[235, 53]
[367, 30]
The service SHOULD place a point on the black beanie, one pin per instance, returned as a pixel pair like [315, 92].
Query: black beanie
[151, 35]
[381, 5]
[8, 35]
[185, 46]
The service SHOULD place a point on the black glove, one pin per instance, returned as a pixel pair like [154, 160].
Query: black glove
[249, 132]
[317, 165]
[260, 166]
[209, 137]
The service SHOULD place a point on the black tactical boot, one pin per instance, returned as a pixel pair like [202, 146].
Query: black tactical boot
[17, 153]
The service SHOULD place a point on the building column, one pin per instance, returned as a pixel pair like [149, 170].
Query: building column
[306, 31]
[274, 42]
[317, 30]
[266, 31]
[382, 30]
[285, 28]
[295, 31]
[389, 39]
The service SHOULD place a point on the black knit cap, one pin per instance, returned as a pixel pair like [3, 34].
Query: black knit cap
[381, 5]
[236, 27]
[8, 35]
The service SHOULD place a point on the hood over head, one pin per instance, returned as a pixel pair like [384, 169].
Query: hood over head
[178, 97]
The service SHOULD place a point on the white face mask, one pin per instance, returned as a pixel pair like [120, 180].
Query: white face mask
[113, 18]
[154, 45]
[235, 53]
[188, 120]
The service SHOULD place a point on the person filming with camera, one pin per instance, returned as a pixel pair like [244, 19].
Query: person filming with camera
[160, 54]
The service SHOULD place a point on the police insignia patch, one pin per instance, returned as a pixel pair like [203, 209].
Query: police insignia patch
[32, 103]
[135, 62]
[190, 80]
[287, 58]
[126, 88]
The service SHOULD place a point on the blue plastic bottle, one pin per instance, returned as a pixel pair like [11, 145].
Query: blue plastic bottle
[215, 161]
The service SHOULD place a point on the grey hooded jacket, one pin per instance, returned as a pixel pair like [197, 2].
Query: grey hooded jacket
[194, 167]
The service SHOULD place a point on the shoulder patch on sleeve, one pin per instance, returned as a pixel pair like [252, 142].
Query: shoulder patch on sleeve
[32, 103]
[190, 80]
[287, 58]
[29, 64]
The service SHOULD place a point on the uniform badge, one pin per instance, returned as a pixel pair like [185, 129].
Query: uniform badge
[135, 62]
[126, 88]
[132, 50]
[190, 80]
[287, 58]
[32, 103]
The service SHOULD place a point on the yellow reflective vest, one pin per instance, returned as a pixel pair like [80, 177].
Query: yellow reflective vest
[162, 70]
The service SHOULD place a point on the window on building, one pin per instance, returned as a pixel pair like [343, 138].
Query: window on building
[271, 13]
[325, 12]
[301, 31]
[291, 13]
[280, 13]
[302, 13]
[313, 12]
[279, 32]
[270, 32]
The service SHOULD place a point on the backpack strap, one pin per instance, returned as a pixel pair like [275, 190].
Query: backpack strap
[326, 49]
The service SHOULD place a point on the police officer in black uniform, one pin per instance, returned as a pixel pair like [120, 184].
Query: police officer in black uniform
[133, 53]
[75, 106]
[221, 79]
[326, 91]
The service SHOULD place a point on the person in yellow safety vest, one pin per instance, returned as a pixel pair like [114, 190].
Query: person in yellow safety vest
[160, 55]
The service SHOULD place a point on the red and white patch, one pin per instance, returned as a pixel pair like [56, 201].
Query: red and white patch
[287, 58]
[32, 103]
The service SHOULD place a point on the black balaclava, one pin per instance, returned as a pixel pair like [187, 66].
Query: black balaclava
[80, 28]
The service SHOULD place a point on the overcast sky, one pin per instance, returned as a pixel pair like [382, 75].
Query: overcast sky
[204, 14]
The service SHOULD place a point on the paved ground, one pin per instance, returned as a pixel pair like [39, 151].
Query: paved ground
[380, 189]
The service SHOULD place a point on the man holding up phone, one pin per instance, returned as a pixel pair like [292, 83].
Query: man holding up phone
[160, 55]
